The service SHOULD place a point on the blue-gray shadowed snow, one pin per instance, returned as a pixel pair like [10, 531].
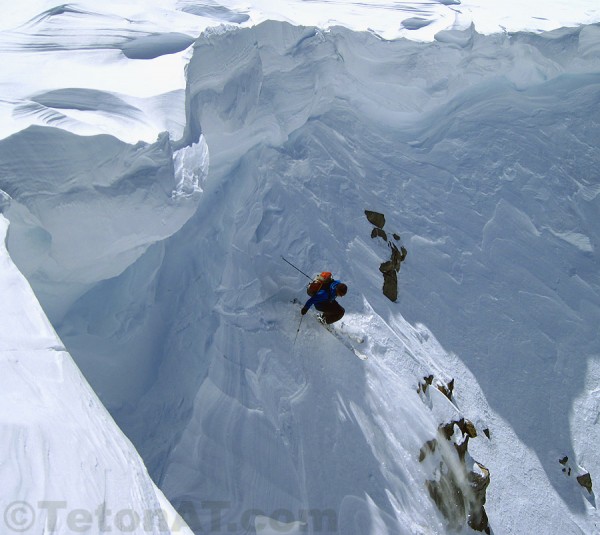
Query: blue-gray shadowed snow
[415, 23]
[56, 29]
[47, 406]
[482, 152]
[153, 46]
[213, 10]
[82, 209]
[479, 150]
[87, 111]
[85, 100]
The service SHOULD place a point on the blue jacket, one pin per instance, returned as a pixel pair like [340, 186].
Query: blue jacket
[325, 295]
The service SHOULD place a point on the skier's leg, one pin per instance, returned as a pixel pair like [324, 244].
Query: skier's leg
[331, 312]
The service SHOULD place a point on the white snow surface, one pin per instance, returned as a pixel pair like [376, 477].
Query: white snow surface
[474, 127]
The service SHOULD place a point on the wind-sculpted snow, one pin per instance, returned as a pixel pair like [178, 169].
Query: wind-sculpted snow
[66, 65]
[84, 208]
[66, 465]
[154, 46]
[482, 153]
[212, 10]
[68, 27]
[135, 51]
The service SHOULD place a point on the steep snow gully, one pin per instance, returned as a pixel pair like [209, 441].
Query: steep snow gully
[482, 152]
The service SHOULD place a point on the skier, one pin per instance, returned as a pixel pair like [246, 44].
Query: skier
[325, 302]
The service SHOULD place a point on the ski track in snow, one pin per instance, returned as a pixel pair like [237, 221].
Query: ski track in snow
[167, 285]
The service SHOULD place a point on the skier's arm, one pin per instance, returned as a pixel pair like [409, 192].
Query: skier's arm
[308, 304]
[319, 297]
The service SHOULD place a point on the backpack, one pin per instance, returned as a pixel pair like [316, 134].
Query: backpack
[322, 280]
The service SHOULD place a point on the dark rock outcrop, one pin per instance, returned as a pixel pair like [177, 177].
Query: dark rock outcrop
[427, 381]
[390, 271]
[391, 267]
[375, 218]
[585, 480]
[458, 484]
[377, 232]
[447, 390]
[458, 504]
[390, 285]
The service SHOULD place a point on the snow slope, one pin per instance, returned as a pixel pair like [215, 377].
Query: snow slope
[481, 151]
[66, 465]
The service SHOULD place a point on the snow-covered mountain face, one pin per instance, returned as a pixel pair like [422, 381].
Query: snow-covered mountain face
[164, 276]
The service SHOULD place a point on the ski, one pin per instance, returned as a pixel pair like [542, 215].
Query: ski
[344, 339]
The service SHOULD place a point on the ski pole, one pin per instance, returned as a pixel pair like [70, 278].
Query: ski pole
[299, 325]
[284, 259]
